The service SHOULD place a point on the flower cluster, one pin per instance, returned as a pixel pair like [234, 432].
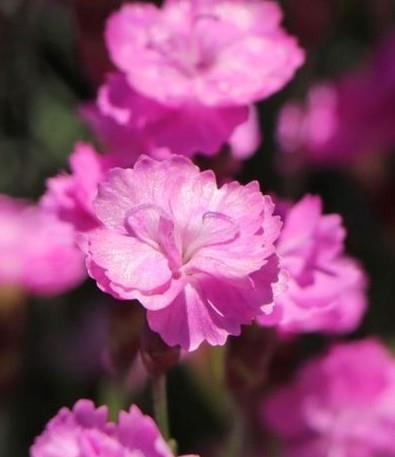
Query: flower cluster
[145, 216]
[202, 260]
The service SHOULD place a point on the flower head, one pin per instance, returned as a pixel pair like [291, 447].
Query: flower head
[70, 196]
[341, 404]
[185, 51]
[200, 259]
[343, 120]
[38, 250]
[127, 121]
[85, 431]
[326, 290]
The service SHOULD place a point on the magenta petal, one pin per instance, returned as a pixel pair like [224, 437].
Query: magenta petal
[139, 433]
[199, 129]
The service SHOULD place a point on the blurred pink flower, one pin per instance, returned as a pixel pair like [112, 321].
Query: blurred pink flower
[342, 404]
[200, 259]
[70, 196]
[124, 120]
[326, 290]
[38, 252]
[185, 52]
[179, 62]
[85, 432]
[345, 119]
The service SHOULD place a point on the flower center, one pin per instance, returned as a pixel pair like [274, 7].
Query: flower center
[151, 225]
[184, 51]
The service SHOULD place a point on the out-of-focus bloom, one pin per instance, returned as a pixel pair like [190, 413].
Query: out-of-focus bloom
[179, 64]
[125, 120]
[326, 290]
[185, 52]
[38, 252]
[85, 431]
[70, 196]
[200, 259]
[346, 119]
[342, 404]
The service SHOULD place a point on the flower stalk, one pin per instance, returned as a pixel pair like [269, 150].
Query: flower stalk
[159, 398]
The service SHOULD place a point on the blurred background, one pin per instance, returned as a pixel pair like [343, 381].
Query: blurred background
[52, 59]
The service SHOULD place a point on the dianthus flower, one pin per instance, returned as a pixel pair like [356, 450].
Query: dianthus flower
[38, 250]
[326, 290]
[200, 259]
[126, 122]
[342, 404]
[345, 119]
[179, 63]
[85, 431]
[70, 195]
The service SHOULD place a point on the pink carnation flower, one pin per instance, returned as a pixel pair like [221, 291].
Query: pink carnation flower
[345, 119]
[200, 259]
[123, 119]
[342, 404]
[38, 250]
[70, 196]
[326, 290]
[185, 51]
[85, 432]
[179, 62]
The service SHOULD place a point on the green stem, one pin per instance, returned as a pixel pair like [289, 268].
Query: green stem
[159, 396]
[114, 396]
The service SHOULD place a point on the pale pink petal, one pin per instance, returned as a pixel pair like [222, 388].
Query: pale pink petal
[127, 261]
[189, 321]
[147, 183]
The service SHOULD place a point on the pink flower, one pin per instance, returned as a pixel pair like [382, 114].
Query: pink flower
[70, 196]
[185, 52]
[200, 259]
[342, 404]
[85, 432]
[179, 62]
[38, 250]
[125, 120]
[326, 290]
[345, 119]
